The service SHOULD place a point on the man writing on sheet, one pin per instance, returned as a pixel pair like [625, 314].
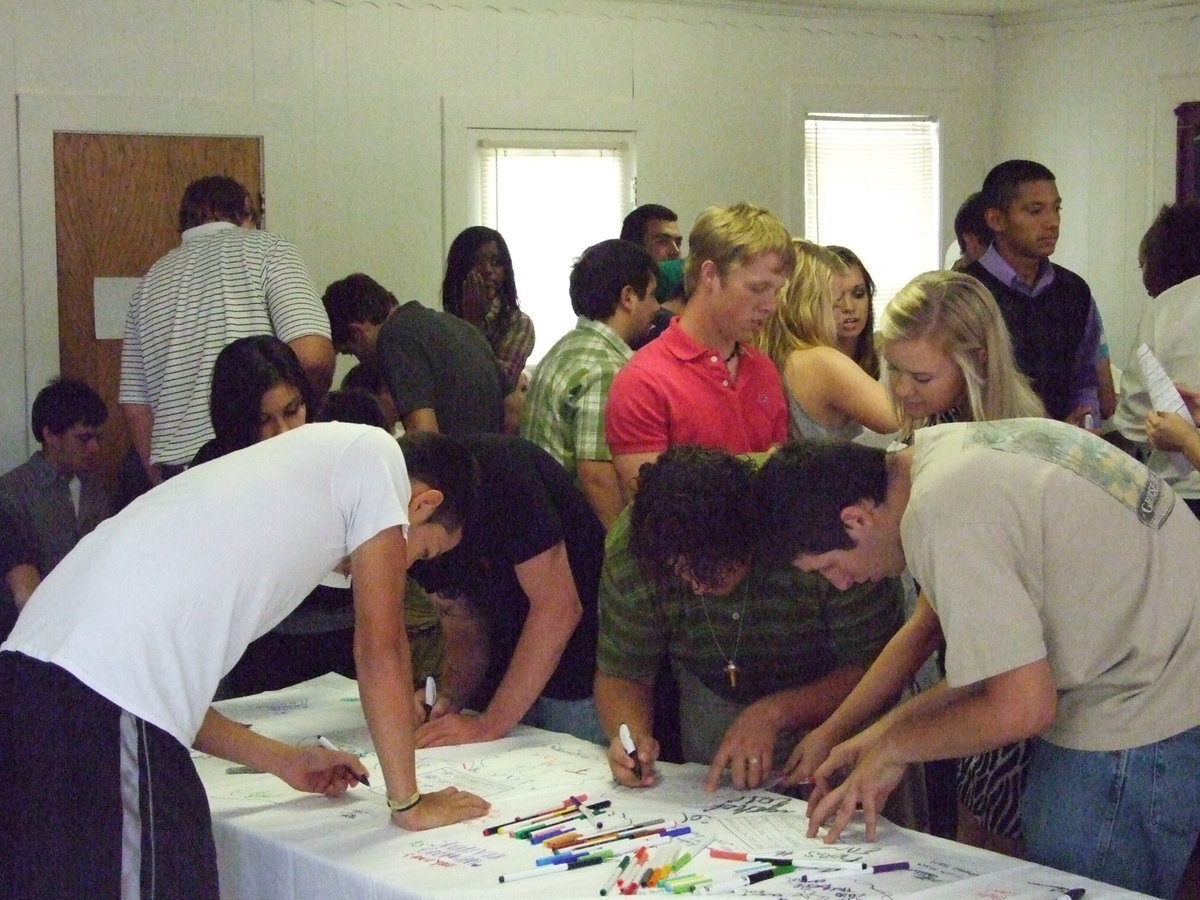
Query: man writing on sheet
[761, 652]
[1065, 579]
[107, 677]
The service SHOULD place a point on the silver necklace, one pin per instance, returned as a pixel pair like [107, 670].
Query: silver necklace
[731, 666]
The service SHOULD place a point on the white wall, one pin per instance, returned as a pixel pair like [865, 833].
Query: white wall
[350, 97]
[1093, 97]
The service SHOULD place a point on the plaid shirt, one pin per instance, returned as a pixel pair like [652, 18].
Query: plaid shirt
[564, 412]
[511, 346]
[783, 627]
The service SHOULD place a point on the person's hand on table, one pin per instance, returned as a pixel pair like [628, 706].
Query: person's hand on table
[452, 728]
[621, 764]
[838, 761]
[869, 785]
[444, 807]
[748, 747]
[814, 748]
[321, 771]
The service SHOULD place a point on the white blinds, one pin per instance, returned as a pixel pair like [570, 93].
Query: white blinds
[871, 183]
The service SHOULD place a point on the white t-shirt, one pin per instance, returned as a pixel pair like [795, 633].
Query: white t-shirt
[1035, 540]
[156, 604]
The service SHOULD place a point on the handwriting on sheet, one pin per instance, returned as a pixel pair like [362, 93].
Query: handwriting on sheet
[449, 853]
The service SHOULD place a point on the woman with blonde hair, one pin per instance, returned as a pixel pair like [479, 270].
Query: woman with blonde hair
[949, 356]
[829, 397]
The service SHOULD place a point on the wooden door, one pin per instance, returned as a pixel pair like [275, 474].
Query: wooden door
[116, 199]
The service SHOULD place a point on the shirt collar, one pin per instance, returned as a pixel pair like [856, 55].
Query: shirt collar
[205, 230]
[608, 333]
[998, 266]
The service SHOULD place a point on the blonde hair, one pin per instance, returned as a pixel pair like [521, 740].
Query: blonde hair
[730, 236]
[956, 312]
[804, 318]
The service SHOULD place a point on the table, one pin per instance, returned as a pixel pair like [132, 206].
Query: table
[274, 842]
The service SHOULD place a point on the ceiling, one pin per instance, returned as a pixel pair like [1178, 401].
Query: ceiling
[959, 7]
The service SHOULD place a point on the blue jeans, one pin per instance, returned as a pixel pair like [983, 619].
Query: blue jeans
[577, 717]
[1128, 817]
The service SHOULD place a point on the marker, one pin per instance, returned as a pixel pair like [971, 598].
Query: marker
[686, 858]
[330, 745]
[430, 696]
[615, 876]
[566, 806]
[732, 884]
[1072, 894]
[589, 812]
[850, 873]
[631, 749]
[560, 867]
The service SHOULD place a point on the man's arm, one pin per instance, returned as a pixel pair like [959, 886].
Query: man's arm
[888, 675]
[1085, 389]
[466, 660]
[554, 611]
[312, 769]
[140, 419]
[627, 701]
[1006, 708]
[601, 486]
[317, 358]
[384, 672]
[423, 419]
[628, 465]
[21, 580]
[748, 747]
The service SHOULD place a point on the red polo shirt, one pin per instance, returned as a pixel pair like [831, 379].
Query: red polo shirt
[677, 391]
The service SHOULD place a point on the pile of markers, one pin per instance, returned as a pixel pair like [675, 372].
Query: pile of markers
[648, 856]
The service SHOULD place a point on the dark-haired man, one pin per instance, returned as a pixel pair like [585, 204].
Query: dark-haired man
[761, 652]
[108, 704]
[612, 292]
[440, 369]
[656, 229]
[1065, 579]
[971, 231]
[224, 281]
[54, 498]
[1049, 310]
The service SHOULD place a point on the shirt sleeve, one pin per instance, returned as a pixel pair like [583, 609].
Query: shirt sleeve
[635, 417]
[1086, 390]
[133, 373]
[634, 634]
[590, 441]
[292, 302]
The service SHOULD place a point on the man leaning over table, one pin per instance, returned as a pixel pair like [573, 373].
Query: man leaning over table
[761, 652]
[1065, 578]
[107, 677]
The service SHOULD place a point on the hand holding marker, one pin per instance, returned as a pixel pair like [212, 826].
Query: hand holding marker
[430, 696]
[631, 749]
[330, 745]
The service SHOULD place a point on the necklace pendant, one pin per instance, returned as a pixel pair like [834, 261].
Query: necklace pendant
[731, 671]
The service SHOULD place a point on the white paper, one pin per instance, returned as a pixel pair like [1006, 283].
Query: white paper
[1164, 398]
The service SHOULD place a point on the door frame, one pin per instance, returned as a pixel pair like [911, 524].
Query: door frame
[38, 117]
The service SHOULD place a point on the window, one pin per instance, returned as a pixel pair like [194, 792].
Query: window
[871, 184]
[551, 198]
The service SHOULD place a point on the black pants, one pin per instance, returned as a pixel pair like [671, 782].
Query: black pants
[63, 815]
